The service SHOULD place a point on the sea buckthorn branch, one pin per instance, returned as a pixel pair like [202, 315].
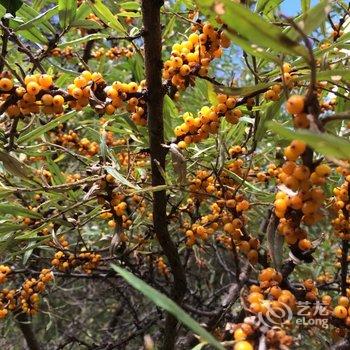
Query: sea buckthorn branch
[14, 38]
[155, 96]
[337, 116]
[4, 39]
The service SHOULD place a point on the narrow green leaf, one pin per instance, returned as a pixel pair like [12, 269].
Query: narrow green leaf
[18, 210]
[105, 15]
[244, 90]
[119, 177]
[305, 5]
[38, 4]
[85, 23]
[311, 19]
[31, 34]
[83, 39]
[254, 28]
[137, 67]
[32, 135]
[130, 5]
[326, 144]
[66, 10]
[245, 183]
[253, 50]
[334, 75]
[6, 227]
[83, 11]
[170, 115]
[38, 19]
[266, 6]
[269, 113]
[167, 304]
[169, 27]
[27, 12]
[129, 14]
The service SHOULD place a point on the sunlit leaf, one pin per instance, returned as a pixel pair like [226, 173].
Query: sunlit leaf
[167, 304]
[105, 14]
[66, 11]
[326, 144]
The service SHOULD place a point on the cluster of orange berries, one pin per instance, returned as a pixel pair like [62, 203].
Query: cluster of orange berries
[83, 87]
[311, 290]
[33, 97]
[245, 333]
[8, 301]
[341, 205]
[162, 267]
[65, 53]
[40, 95]
[4, 272]
[87, 261]
[193, 56]
[226, 213]
[196, 129]
[131, 94]
[268, 295]
[236, 150]
[241, 333]
[326, 277]
[113, 53]
[273, 94]
[31, 288]
[296, 106]
[71, 178]
[342, 310]
[304, 199]
[139, 160]
[25, 299]
[117, 204]
[71, 139]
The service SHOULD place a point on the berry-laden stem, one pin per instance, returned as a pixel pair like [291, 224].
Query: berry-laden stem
[153, 63]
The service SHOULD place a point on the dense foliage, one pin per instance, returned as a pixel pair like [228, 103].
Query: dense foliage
[174, 175]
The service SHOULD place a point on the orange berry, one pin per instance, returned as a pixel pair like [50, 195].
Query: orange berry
[110, 109]
[182, 144]
[239, 334]
[296, 202]
[45, 81]
[47, 99]
[298, 146]
[33, 88]
[340, 312]
[281, 205]
[185, 70]
[295, 104]
[255, 297]
[290, 154]
[323, 170]
[343, 301]
[304, 244]
[58, 100]
[77, 93]
[6, 84]
[80, 82]
[243, 345]
[287, 68]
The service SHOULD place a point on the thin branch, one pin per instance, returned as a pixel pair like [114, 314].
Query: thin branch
[27, 331]
[21, 47]
[153, 63]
